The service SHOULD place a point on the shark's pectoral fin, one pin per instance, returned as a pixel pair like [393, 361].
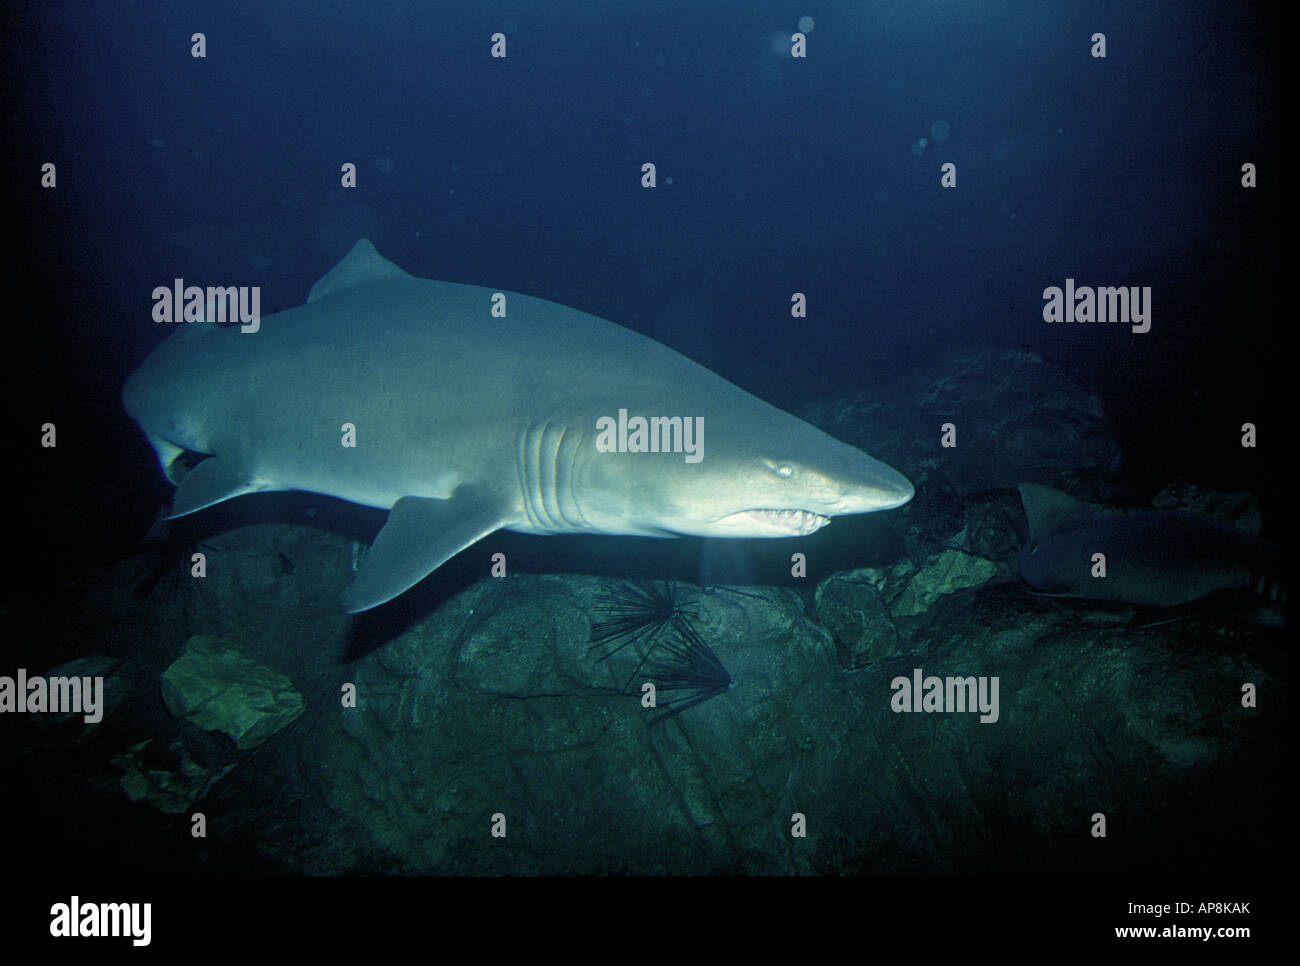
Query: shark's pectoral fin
[210, 482]
[421, 534]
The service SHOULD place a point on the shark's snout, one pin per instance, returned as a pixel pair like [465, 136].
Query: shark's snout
[879, 487]
[896, 490]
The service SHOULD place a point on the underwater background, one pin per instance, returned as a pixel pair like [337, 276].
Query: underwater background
[777, 174]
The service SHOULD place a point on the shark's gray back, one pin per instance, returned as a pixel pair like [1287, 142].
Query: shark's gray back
[407, 359]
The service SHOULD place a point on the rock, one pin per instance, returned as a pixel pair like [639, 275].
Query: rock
[1240, 509]
[851, 607]
[168, 778]
[219, 689]
[946, 573]
[1017, 418]
[447, 734]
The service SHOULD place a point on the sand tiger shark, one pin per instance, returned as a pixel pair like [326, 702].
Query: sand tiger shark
[405, 393]
[1175, 564]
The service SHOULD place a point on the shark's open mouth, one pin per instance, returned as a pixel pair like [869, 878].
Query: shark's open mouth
[794, 522]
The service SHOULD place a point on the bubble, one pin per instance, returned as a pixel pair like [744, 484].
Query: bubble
[158, 143]
[940, 130]
[918, 147]
[384, 164]
[805, 24]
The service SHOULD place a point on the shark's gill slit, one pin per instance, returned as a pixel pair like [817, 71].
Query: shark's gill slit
[548, 498]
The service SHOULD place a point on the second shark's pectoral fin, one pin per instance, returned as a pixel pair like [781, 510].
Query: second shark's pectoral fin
[213, 481]
[421, 534]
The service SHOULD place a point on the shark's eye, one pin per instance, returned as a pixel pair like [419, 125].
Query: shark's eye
[784, 469]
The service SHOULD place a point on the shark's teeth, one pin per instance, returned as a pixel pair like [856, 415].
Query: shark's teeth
[795, 521]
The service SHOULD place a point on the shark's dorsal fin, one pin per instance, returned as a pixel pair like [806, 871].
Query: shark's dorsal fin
[1050, 511]
[362, 264]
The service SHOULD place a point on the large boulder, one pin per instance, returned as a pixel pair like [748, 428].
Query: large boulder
[219, 689]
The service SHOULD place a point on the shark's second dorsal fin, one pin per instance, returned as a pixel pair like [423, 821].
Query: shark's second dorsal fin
[1050, 511]
[362, 264]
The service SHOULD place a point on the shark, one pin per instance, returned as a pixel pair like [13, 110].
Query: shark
[463, 410]
[1173, 563]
